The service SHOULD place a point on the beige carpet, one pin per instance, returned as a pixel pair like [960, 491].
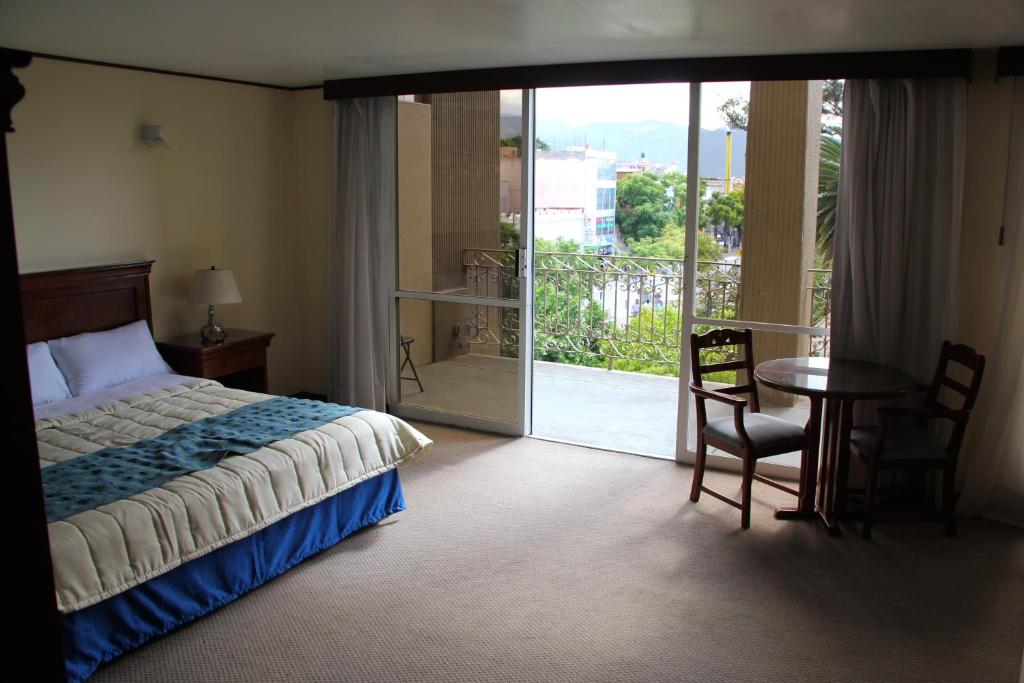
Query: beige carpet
[526, 560]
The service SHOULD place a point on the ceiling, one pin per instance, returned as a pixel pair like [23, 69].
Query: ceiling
[303, 42]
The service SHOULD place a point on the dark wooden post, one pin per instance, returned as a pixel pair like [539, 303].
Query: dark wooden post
[31, 612]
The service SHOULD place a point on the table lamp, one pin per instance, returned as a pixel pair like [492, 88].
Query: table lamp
[214, 286]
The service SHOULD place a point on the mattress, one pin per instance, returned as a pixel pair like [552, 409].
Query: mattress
[102, 632]
[103, 550]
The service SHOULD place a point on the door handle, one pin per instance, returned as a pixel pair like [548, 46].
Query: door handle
[520, 264]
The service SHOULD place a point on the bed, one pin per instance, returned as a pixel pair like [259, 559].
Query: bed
[169, 496]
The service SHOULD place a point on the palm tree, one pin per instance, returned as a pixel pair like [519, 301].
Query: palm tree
[828, 193]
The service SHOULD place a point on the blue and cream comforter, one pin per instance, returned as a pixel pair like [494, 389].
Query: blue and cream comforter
[136, 488]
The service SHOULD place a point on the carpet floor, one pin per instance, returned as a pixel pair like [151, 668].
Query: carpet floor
[525, 560]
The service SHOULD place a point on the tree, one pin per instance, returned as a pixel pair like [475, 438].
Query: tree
[672, 244]
[676, 194]
[559, 246]
[568, 319]
[736, 112]
[708, 248]
[674, 183]
[832, 98]
[509, 235]
[642, 207]
[661, 326]
[832, 108]
[726, 210]
[828, 194]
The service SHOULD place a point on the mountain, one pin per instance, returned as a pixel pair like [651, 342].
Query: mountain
[659, 141]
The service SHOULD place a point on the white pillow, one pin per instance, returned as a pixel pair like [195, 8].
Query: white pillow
[48, 385]
[97, 360]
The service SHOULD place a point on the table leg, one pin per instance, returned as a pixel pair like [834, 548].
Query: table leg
[827, 482]
[809, 474]
[826, 445]
[808, 468]
[843, 461]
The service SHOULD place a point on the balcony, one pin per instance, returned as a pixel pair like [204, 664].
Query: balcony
[621, 311]
[607, 332]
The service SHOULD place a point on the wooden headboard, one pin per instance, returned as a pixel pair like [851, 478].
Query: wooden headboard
[60, 303]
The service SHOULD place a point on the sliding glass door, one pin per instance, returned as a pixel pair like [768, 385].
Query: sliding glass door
[461, 306]
[551, 267]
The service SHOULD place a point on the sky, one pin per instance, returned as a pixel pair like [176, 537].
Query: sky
[630, 103]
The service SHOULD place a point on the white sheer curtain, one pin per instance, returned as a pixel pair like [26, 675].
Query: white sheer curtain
[993, 458]
[898, 221]
[362, 252]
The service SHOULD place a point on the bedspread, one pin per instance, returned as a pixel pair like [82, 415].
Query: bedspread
[109, 548]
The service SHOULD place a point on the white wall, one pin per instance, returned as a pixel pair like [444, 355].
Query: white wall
[551, 224]
[242, 184]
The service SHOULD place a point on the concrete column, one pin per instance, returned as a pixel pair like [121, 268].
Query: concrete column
[464, 203]
[783, 146]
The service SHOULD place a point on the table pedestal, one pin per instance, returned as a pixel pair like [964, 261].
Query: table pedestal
[823, 484]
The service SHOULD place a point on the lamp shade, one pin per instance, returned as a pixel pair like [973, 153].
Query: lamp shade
[215, 286]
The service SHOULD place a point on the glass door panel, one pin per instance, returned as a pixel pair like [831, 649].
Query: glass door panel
[765, 258]
[458, 303]
[463, 358]
[609, 225]
[460, 186]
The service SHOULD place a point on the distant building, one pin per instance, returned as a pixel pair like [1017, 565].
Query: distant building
[574, 196]
[713, 185]
[642, 165]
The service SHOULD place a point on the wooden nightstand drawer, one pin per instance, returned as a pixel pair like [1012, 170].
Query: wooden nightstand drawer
[240, 362]
[243, 359]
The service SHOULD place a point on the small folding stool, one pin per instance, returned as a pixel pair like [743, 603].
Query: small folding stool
[406, 344]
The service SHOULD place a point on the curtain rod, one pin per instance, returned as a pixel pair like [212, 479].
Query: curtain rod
[896, 64]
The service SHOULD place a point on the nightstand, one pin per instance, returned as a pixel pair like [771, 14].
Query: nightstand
[240, 362]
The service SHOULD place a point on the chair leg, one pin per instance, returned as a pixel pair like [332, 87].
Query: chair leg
[748, 480]
[416, 375]
[869, 499]
[948, 501]
[698, 469]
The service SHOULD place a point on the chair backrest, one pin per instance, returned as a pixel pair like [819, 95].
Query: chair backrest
[744, 361]
[974, 364]
[971, 361]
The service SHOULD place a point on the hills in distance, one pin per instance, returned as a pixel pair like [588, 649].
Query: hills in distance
[660, 141]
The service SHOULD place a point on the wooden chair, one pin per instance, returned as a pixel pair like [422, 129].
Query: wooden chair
[749, 435]
[902, 440]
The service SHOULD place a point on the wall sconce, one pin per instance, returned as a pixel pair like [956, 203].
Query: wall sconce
[153, 135]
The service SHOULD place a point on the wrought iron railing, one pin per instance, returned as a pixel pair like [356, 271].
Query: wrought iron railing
[819, 298]
[718, 289]
[618, 311]
[607, 307]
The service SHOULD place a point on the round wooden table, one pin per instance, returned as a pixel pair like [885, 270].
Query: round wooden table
[835, 384]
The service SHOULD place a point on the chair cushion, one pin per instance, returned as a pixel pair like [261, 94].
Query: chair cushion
[770, 435]
[902, 442]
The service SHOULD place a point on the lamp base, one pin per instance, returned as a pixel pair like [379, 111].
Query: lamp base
[212, 332]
